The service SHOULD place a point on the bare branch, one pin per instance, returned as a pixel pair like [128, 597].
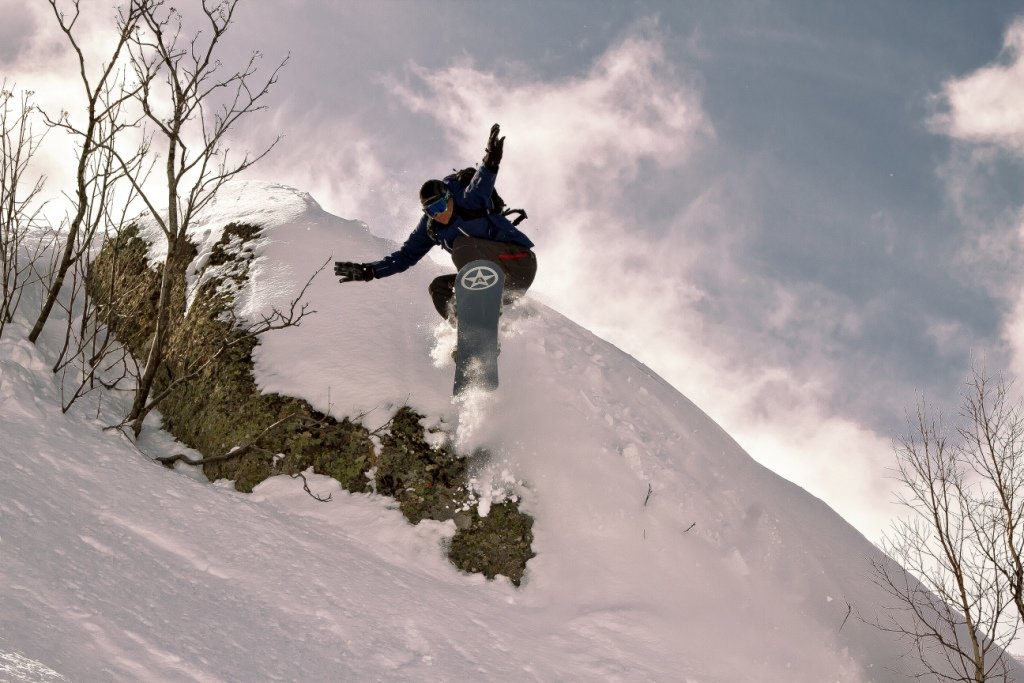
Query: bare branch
[184, 73]
[235, 452]
[961, 544]
[305, 487]
[19, 199]
[95, 178]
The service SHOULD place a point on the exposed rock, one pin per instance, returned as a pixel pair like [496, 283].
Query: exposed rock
[220, 408]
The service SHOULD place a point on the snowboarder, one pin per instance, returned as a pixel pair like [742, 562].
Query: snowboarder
[464, 221]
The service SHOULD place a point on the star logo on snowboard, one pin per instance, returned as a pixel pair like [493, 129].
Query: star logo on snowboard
[480, 277]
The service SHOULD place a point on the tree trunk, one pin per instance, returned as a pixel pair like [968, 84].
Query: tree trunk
[68, 258]
[173, 277]
[66, 261]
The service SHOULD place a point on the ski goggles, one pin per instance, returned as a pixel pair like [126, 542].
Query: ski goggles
[435, 207]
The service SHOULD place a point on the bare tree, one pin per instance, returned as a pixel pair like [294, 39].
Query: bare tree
[97, 176]
[19, 198]
[90, 355]
[993, 437]
[964, 492]
[191, 105]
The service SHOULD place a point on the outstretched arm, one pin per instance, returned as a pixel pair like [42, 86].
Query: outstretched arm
[414, 249]
[495, 149]
[477, 194]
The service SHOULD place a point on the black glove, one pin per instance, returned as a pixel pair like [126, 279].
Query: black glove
[495, 148]
[348, 271]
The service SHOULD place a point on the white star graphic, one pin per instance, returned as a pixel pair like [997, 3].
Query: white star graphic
[480, 277]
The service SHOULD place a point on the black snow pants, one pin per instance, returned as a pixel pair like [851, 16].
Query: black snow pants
[519, 264]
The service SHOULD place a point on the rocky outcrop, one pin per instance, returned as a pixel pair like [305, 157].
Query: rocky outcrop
[214, 406]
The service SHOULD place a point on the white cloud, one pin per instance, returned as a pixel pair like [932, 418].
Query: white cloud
[987, 106]
[983, 112]
[332, 158]
[836, 459]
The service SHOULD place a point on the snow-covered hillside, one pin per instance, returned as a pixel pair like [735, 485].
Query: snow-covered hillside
[664, 552]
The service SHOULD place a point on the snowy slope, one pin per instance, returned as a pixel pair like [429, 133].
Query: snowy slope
[664, 552]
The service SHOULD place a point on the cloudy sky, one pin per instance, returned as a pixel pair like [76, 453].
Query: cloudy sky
[804, 215]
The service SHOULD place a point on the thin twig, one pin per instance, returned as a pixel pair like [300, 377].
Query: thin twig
[849, 611]
[238, 452]
[305, 487]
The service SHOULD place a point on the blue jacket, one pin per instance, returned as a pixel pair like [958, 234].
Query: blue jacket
[428, 233]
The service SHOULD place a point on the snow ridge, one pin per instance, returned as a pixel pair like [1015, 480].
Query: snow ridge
[664, 552]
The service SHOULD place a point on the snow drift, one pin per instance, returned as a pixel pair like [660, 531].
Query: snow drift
[664, 552]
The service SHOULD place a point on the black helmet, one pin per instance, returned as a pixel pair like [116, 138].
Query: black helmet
[431, 190]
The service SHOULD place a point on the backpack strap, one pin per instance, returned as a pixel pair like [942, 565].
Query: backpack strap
[463, 179]
[522, 215]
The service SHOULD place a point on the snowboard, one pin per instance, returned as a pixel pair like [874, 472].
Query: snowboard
[478, 292]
